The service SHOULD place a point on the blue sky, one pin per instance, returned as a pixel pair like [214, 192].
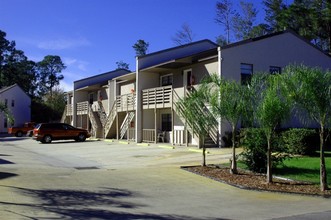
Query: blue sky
[92, 35]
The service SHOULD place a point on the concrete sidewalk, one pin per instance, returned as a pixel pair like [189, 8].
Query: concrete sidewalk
[104, 180]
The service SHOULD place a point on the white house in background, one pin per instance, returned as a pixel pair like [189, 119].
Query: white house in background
[18, 103]
[140, 106]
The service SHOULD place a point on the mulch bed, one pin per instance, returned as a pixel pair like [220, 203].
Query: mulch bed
[254, 181]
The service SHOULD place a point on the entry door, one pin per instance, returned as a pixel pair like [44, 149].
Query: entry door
[187, 77]
[91, 98]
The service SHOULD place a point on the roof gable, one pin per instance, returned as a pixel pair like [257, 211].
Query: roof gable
[175, 53]
[4, 89]
[8, 88]
[99, 79]
[266, 37]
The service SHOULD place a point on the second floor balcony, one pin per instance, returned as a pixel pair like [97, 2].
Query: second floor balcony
[159, 97]
[162, 97]
[126, 102]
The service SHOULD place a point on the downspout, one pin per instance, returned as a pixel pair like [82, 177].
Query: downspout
[220, 75]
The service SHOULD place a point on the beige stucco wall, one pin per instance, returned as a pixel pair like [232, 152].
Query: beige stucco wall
[199, 71]
[148, 119]
[126, 88]
[280, 50]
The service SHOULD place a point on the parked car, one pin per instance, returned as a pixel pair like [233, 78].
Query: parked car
[47, 132]
[21, 130]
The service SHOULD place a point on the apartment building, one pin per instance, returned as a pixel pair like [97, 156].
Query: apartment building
[140, 106]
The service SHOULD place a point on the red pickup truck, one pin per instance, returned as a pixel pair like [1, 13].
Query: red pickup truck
[20, 131]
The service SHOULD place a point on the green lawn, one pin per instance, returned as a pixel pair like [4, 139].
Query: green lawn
[304, 168]
[301, 168]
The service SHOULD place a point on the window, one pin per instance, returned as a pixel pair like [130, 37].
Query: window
[166, 122]
[6, 103]
[12, 103]
[5, 123]
[246, 71]
[275, 70]
[166, 80]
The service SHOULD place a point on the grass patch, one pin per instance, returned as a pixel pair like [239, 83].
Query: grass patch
[305, 168]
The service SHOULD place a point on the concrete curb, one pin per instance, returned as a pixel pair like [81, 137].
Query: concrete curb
[197, 150]
[250, 188]
[167, 147]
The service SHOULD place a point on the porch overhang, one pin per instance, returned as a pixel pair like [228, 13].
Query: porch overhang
[89, 88]
[182, 62]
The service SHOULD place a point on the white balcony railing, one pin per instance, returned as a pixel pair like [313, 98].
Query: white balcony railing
[69, 109]
[149, 135]
[126, 102]
[132, 134]
[159, 97]
[82, 108]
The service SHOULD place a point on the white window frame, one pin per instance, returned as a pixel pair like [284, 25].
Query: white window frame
[167, 75]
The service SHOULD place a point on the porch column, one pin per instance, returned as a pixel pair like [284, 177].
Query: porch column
[74, 109]
[220, 75]
[186, 131]
[172, 118]
[155, 124]
[117, 131]
[128, 126]
[172, 125]
[139, 112]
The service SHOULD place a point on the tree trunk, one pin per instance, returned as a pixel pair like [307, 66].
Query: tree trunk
[233, 169]
[269, 162]
[203, 152]
[323, 174]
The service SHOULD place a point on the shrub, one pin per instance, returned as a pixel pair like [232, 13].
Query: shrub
[227, 139]
[255, 146]
[301, 141]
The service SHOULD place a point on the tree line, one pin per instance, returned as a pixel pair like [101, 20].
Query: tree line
[39, 80]
[309, 18]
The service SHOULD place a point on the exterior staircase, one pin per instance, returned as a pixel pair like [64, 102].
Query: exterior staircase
[201, 109]
[109, 120]
[126, 123]
[97, 128]
[102, 114]
[64, 115]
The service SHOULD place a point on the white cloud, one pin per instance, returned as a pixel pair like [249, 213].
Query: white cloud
[61, 44]
[69, 61]
[75, 63]
[66, 86]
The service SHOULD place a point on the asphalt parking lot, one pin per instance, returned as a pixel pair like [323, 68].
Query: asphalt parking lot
[112, 180]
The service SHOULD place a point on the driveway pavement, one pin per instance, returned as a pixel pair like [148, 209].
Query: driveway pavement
[111, 180]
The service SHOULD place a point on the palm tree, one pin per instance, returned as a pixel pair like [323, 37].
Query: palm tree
[310, 91]
[271, 109]
[192, 109]
[229, 101]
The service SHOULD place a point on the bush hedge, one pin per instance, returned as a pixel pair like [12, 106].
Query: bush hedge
[300, 141]
[255, 148]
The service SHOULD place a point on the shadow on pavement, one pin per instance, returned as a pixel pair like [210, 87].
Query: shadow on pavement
[76, 204]
[59, 142]
[2, 161]
[10, 139]
[4, 175]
